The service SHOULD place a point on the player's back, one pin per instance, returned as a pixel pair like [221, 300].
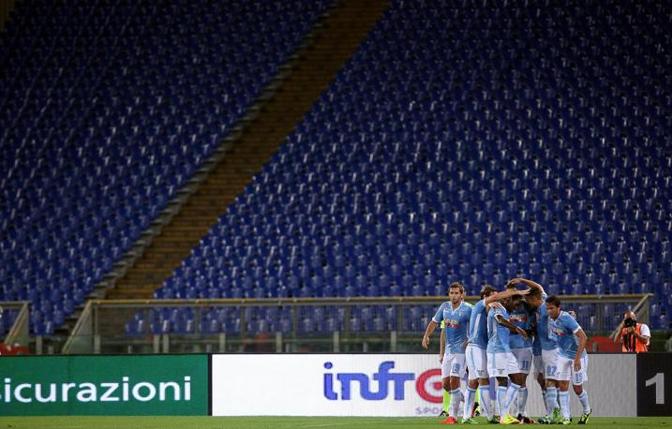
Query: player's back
[478, 325]
[534, 325]
[498, 334]
[546, 341]
[520, 317]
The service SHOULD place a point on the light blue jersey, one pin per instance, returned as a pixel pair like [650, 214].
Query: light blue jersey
[498, 334]
[536, 315]
[545, 340]
[478, 325]
[536, 342]
[563, 329]
[520, 316]
[456, 325]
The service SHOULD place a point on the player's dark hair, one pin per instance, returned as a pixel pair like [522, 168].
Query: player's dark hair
[534, 293]
[527, 306]
[553, 300]
[487, 290]
[457, 285]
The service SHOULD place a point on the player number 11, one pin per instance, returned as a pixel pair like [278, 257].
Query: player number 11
[659, 381]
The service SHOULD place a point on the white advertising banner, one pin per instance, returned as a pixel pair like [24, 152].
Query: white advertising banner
[611, 387]
[379, 385]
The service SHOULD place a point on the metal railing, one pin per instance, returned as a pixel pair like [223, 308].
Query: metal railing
[101, 327]
[19, 331]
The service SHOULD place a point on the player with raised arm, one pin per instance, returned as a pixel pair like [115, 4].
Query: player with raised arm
[544, 349]
[476, 353]
[534, 300]
[501, 361]
[572, 360]
[521, 348]
[456, 314]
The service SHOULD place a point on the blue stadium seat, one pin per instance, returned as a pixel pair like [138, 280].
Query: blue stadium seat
[89, 166]
[435, 155]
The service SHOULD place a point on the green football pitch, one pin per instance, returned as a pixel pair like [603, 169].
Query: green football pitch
[277, 422]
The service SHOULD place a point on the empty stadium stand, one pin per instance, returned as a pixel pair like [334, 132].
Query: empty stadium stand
[467, 140]
[307, 75]
[107, 109]
[464, 140]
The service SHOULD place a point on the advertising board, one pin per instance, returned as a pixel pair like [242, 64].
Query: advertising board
[380, 385]
[104, 385]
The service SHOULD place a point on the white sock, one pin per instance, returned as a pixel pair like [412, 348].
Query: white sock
[564, 404]
[510, 406]
[551, 399]
[469, 402]
[485, 401]
[583, 397]
[454, 402]
[522, 401]
[543, 394]
[511, 395]
[460, 405]
[501, 399]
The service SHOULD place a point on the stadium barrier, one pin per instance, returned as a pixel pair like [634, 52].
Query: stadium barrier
[386, 385]
[620, 385]
[17, 312]
[100, 328]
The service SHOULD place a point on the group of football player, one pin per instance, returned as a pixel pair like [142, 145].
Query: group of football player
[505, 336]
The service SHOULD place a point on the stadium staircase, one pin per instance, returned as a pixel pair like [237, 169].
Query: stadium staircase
[309, 72]
[439, 154]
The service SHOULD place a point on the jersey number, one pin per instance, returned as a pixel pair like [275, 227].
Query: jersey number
[456, 368]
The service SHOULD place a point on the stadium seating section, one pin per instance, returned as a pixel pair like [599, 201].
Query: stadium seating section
[108, 107]
[470, 141]
[465, 140]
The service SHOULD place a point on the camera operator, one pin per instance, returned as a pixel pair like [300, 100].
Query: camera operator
[634, 337]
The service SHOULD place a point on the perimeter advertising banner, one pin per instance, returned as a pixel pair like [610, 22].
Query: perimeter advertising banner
[326, 385]
[381, 385]
[654, 384]
[104, 385]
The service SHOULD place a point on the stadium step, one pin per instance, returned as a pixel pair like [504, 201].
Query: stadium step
[332, 43]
